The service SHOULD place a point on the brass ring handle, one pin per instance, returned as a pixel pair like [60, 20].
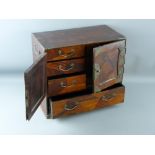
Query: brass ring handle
[68, 55]
[71, 106]
[68, 69]
[71, 85]
[108, 97]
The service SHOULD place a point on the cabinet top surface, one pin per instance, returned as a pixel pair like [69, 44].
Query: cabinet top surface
[77, 36]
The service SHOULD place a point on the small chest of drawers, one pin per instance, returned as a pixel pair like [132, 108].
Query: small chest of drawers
[75, 70]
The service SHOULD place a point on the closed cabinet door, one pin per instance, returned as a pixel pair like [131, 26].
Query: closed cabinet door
[108, 66]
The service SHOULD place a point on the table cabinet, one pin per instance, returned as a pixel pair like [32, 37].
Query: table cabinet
[75, 70]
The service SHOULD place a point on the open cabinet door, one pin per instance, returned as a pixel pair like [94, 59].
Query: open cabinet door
[35, 86]
[108, 64]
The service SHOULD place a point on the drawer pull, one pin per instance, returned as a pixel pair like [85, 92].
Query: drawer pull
[67, 69]
[74, 82]
[68, 55]
[108, 97]
[71, 106]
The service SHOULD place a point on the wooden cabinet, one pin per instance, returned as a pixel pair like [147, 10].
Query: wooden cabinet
[75, 70]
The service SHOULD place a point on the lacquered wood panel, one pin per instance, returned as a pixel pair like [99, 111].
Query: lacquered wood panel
[66, 85]
[65, 67]
[87, 102]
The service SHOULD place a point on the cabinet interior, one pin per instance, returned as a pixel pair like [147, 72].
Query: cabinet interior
[89, 75]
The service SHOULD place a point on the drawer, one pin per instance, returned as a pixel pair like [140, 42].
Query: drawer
[65, 67]
[66, 53]
[87, 102]
[66, 85]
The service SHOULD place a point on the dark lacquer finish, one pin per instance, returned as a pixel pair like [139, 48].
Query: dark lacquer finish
[35, 86]
[66, 85]
[65, 67]
[108, 64]
[87, 102]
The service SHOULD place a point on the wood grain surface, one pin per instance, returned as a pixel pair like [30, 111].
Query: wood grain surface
[35, 86]
[77, 36]
[66, 85]
[107, 65]
[65, 53]
[65, 67]
[87, 102]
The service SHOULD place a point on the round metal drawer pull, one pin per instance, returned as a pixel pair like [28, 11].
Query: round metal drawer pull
[71, 106]
[68, 55]
[70, 67]
[74, 82]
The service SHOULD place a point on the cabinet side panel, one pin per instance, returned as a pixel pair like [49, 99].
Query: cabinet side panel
[37, 48]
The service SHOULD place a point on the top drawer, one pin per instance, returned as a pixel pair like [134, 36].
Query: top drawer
[65, 53]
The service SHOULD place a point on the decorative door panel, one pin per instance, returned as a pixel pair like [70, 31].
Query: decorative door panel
[108, 64]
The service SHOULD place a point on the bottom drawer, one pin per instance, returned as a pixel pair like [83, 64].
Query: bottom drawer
[88, 102]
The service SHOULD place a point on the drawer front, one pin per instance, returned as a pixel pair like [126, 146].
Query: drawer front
[65, 53]
[65, 67]
[87, 102]
[66, 85]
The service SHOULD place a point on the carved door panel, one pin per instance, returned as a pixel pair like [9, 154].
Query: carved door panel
[108, 64]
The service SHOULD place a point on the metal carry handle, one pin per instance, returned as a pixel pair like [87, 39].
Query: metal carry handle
[71, 66]
[71, 106]
[108, 97]
[68, 55]
[65, 85]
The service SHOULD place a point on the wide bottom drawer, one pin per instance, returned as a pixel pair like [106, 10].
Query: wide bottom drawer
[88, 102]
